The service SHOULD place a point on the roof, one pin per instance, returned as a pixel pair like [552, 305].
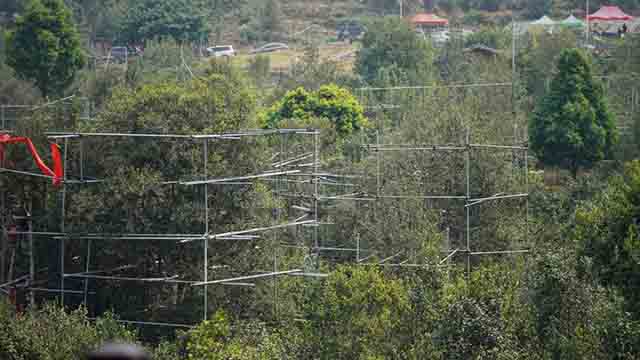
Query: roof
[572, 21]
[545, 20]
[428, 19]
[609, 13]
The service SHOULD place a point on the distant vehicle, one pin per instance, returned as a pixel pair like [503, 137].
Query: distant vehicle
[221, 51]
[271, 47]
[119, 54]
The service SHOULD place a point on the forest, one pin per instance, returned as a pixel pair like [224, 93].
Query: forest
[381, 198]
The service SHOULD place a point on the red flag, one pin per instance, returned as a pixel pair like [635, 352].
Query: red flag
[57, 173]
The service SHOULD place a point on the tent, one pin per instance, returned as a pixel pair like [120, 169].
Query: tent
[544, 21]
[609, 13]
[572, 21]
[429, 20]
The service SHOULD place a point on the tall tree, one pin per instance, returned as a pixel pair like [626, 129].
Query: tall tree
[607, 231]
[177, 19]
[572, 126]
[390, 45]
[45, 46]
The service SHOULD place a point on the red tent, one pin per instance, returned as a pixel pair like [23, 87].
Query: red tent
[428, 19]
[609, 13]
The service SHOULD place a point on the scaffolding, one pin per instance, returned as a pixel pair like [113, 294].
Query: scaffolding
[295, 175]
[281, 167]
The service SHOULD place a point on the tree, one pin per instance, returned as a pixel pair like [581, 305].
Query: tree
[572, 127]
[358, 313]
[272, 19]
[181, 20]
[390, 43]
[607, 231]
[330, 101]
[45, 46]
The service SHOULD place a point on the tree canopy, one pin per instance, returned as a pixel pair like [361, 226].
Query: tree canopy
[331, 102]
[391, 45]
[181, 20]
[572, 127]
[45, 46]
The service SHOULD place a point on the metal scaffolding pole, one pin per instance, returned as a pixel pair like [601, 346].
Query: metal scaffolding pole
[87, 269]
[62, 218]
[206, 228]
[468, 208]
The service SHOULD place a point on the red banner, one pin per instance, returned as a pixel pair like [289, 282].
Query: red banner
[56, 173]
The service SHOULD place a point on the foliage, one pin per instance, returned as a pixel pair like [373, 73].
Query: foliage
[51, 333]
[330, 102]
[14, 90]
[492, 37]
[374, 306]
[180, 20]
[45, 46]
[608, 235]
[572, 126]
[392, 46]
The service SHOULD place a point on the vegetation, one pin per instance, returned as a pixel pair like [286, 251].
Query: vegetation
[572, 126]
[45, 46]
[330, 102]
[401, 270]
[407, 58]
[180, 20]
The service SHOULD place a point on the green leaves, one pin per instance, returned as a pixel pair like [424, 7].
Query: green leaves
[45, 46]
[607, 235]
[181, 20]
[572, 126]
[330, 102]
[390, 42]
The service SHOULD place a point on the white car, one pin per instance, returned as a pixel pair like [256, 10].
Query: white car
[221, 51]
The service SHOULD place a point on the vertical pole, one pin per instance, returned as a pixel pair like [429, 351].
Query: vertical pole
[86, 269]
[526, 187]
[32, 266]
[588, 29]
[62, 218]
[357, 247]
[206, 228]
[2, 110]
[81, 160]
[378, 164]
[468, 208]
[316, 170]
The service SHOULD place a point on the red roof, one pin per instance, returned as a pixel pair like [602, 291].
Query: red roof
[609, 13]
[428, 19]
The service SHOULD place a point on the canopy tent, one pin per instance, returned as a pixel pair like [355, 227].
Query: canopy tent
[426, 19]
[544, 21]
[609, 13]
[572, 21]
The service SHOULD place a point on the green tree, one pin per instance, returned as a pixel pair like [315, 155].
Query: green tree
[390, 43]
[272, 19]
[358, 313]
[607, 231]
[330, 101]
[181, 20]
[572, 127]
[45, 46]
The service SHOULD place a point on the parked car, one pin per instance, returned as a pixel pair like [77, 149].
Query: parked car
[271, 47]
[221, 51]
